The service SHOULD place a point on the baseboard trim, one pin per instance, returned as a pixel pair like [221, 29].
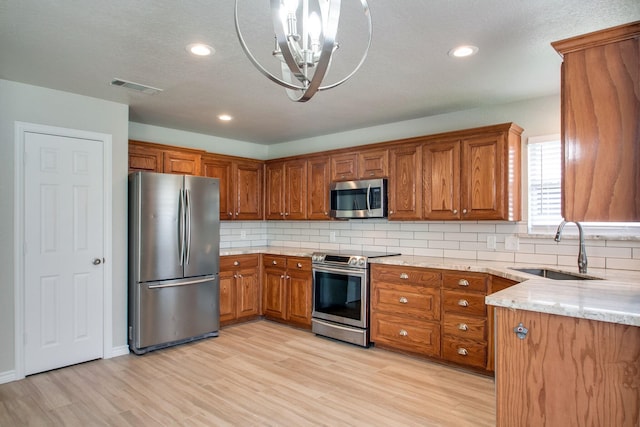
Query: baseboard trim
[7, 377]
[117, 351]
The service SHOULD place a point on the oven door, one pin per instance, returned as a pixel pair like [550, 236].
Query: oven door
[341, 295]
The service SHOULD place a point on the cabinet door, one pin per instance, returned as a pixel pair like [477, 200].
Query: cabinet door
[373, 164]
[319, 181]
[295, 189]
[182, 163]
[441, 189]
[566, 371]
[299, 297]
[214, 167]
[144, 158]
[405, 183]
[600, 131]
[248, 293]
[227, 296]
[274, 191]
[483, 189]
[274, 294]
[344, 167]
[248, 190]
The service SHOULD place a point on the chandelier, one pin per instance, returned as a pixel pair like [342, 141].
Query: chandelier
[304, 51]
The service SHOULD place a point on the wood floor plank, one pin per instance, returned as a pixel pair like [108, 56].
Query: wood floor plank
[254, 374]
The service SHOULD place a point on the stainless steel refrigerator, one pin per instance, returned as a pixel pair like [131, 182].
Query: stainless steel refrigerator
[174, 241]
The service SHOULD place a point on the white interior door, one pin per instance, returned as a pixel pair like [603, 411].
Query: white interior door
[63, 245]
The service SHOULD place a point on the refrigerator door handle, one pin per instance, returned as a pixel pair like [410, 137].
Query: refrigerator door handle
[181, 228]
[157, 285]
[187, 194]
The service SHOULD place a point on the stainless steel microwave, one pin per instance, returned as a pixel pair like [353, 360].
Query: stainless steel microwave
[366, 198]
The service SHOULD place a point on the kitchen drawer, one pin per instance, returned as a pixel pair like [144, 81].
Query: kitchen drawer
[464, 352]
[274, 261]
[467, 327]
[467, 303]
[417, 336]
[234, 262]
[469, 281]
[415, 276]
[406, 300]
[299, 263]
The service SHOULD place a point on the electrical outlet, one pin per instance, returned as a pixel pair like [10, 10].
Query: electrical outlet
[332, 236]
[512, 243]
[491, 242]
[243, 234]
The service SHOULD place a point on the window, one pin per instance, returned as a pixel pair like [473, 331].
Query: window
[545, 193]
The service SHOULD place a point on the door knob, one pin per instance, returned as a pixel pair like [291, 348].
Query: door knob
[97, 261]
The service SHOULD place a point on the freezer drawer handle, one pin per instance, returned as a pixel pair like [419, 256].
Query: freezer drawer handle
[171, 285]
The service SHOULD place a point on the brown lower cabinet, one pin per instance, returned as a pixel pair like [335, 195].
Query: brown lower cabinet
[440, 314]
[566, 371]
[239, 288]
[287, 289]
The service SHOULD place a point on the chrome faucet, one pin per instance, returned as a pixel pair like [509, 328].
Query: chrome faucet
[582, 253]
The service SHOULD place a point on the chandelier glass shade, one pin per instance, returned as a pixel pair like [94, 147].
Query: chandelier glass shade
[305, 42]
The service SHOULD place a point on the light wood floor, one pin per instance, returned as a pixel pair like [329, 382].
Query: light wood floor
[254, 374]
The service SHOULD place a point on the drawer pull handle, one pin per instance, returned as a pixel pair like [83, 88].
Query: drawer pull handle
[462, 351]
[404, 276]
[403, 333]
[463, 303]
[403, 300]
[299, 265]
[236, 263]
[463, 282]
[463, 327]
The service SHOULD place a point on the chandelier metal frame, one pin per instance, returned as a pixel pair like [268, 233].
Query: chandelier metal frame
[298, 55]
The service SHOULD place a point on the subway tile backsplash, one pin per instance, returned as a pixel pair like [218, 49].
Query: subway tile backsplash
[462, 240]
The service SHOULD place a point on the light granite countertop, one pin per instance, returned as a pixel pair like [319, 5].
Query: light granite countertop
[614, 298]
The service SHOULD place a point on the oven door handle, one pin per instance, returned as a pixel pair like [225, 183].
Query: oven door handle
[347, 271]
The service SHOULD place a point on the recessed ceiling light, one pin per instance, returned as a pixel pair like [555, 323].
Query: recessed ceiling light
[462, 51]
[200, 49]
[225, 117]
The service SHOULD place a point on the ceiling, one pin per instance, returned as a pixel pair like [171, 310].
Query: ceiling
[80, 46]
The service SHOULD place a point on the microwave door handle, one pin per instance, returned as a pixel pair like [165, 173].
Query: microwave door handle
[369, 198]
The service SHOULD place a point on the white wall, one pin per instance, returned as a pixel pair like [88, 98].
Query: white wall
[540, 116]
[212, 144]
[32, 104]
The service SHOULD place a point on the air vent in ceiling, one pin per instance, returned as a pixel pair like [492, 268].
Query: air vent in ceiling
[135, 86]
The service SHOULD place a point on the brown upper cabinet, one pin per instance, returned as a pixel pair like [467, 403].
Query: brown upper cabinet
[240, 186]
[286, 190]
[148, 157]
[475, 176]
[600, 104]
[318, 183]
[373, 164]
[405, 182]
[344, 167]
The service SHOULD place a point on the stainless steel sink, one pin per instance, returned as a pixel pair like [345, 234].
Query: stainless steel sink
[554, 274]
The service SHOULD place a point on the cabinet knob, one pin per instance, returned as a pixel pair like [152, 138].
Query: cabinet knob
[230, 213]
[463, 327]
[282, 276]
[240, 276]
[286, 214]
[455, 211]
[274, 262]
[463, 303]
[236, 263]
[462, 351]
[521, 331]
[299, 265]
[463, 282]
[390, 212]
[404, 276]
[403, 300]
[281, 213]
[403, 333]
[464, 211]
[326, 213]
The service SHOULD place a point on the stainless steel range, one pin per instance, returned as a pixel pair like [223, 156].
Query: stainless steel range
[341, 295]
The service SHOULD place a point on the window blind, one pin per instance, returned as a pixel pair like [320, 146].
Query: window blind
[545, 181]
